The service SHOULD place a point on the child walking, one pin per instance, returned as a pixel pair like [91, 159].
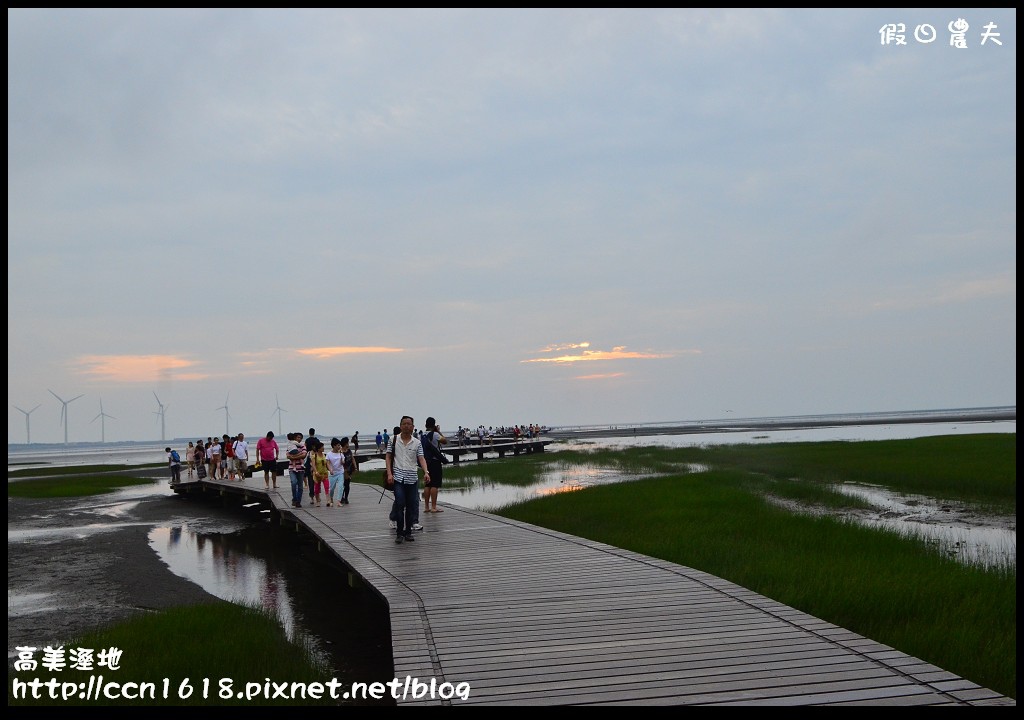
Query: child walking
[350, 469]
[335, 469]
[190, 456]
[321, 472]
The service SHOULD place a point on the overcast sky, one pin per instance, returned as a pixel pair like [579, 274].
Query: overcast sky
[504, 216]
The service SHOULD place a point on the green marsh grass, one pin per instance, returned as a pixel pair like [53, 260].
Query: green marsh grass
[980, 469]
[893, 589]
[215, 641]
[77, 486]
[79, 469]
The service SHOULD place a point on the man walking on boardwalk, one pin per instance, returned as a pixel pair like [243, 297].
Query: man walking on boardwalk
[267, 452]
[241, 457]
[310, 444]
[432, 441]
[296, 467]
[403, 458]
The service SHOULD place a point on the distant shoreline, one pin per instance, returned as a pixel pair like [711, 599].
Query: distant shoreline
[682, 427]
[967, 415]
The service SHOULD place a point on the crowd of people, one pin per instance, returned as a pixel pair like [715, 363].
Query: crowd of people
[466, 436]
[326, 475]
[219, 458]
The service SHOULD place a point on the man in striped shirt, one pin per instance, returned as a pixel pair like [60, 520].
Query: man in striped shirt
[296, 467]
[403, 458]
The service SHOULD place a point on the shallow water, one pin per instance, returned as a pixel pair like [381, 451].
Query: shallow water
[487, 495]
[961, 533]
[251, 565]
[26, 456]
[956, 529]
[239, 557]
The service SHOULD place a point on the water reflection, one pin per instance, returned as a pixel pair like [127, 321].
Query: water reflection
[261, 566]
[956, 529]
[488, 495]
[210, 562]
[958, 532]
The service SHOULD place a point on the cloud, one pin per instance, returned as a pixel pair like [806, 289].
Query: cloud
[326, 353]
[565, 346]
[616, 353]
[600, 376]
[963, 291]
[136, 368]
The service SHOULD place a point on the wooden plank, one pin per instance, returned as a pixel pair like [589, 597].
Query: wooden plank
[531, 616]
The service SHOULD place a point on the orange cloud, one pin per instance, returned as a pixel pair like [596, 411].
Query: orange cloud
[137, 368]
[325, 353]
[617, 353]
[600, 376]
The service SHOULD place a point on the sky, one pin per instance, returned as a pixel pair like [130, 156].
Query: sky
[271, 220]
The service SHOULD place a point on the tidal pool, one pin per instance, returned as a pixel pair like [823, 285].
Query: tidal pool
[958, 530]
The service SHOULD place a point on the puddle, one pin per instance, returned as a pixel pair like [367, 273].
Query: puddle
[29, 603]
[86, 517]
[959, 530]
[487, 495]
[48, 535]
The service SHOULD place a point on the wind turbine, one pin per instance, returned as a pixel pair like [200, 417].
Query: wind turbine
[102, 417]
[227, 414]
[279, 410]
[28, 430]
[161, 412]
[64, 411]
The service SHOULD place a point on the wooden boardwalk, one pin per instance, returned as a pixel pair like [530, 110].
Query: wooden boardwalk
[530, 616]
[499, 447]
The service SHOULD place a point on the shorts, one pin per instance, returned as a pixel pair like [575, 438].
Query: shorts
[436, 475]
[241, 466]
[269, 466]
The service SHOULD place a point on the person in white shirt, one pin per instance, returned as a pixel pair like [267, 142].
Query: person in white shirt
[403, 459]
[241, 456]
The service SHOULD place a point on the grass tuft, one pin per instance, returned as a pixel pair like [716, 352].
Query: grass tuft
[225, 641]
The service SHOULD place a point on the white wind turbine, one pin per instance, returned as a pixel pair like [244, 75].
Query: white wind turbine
[279, 410]
[28, 430]
[102, 417]
[161, 412]
[227, 415]
[64, 411]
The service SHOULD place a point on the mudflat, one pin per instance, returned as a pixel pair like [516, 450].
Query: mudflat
[65, 577]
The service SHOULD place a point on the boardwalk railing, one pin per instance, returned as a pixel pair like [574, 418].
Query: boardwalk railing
[501, 449]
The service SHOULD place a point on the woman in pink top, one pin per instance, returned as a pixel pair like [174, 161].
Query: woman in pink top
[267, 452]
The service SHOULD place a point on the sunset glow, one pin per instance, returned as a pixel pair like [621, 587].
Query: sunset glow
[601, 376]
[325, 353]
[137, 368]
[616, 353]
